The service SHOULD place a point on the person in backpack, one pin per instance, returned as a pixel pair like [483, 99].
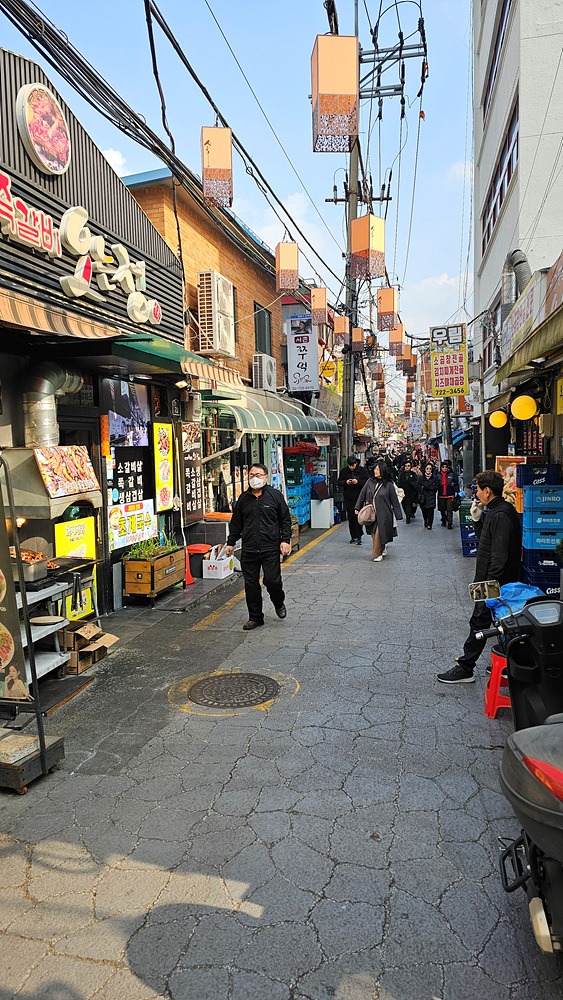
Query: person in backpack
[448, 489]
[498, 558]
[350, 481]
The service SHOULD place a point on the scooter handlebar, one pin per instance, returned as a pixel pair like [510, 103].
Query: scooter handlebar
[488, 633]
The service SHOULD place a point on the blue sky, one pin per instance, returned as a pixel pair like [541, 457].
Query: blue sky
[273, 42]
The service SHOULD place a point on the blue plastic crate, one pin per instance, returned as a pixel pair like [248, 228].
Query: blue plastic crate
[469, 548]
[468, 533]
[538, 473]
[543, 496]
[544, 519]
[550, 583]
[536, 538]
[541, 559]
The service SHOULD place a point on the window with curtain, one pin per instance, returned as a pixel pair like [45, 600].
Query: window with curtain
[262, 329]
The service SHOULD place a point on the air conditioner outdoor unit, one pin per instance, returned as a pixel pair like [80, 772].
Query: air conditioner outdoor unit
[191, 406]
[216, 314]
[264, 372]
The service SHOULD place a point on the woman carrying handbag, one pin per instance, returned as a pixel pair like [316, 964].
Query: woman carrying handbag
[380, 491]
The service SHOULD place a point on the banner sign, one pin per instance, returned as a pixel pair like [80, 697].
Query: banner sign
[163, 466]
[130, 523]
[302, 357]
[193, 477]
[77, 539]
[448, 360]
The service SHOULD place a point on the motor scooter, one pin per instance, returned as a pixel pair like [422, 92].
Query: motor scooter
[531, 771]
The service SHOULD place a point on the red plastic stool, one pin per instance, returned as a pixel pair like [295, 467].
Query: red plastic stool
[493, 698]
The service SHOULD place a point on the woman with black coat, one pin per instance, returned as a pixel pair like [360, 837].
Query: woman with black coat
[380, 491]
[427, 490]
[408, 482]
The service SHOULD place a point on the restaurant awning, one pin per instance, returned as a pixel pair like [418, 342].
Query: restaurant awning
[165, 354]
[459, 435]
[251, 418]
[542, 342]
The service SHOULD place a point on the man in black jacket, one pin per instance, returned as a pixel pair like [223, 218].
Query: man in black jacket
[261, 517]
[498, 558]
[350, 481]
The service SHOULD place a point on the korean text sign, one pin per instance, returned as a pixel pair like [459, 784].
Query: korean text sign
[163, 466]
[193, 478]
[131, 522]
[302, 357]
[448, 360]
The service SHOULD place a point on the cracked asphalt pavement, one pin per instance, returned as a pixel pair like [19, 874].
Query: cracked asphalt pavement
[341, 843]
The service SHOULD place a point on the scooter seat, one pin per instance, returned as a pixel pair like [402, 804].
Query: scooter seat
[554, 720]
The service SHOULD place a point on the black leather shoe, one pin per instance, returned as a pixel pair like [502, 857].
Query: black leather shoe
[281, 611]
[358, 541]
[251, 623]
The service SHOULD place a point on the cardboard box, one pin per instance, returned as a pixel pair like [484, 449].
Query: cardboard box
[218, 569]
[78, 636]
[82, 659]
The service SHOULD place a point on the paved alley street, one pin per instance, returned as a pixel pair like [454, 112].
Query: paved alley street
[338, 845]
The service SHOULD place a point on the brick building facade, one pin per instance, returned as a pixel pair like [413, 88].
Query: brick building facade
[217, 241]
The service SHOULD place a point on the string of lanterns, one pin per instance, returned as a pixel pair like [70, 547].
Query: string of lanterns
[522, 408]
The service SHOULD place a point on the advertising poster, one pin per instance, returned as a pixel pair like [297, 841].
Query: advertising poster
[302, 356]
[448, 361]
[128, 410]
[193, 477]
[77, 539]
[130, 523]
[128, 475]
[13, 683]
[506, 465]
[66, 470]
[163, 466]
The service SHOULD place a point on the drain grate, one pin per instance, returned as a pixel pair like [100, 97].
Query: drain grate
[233, 690]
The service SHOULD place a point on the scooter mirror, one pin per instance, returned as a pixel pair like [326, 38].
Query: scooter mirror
[484, 591]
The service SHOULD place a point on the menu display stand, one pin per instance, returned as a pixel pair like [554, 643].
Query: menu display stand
[40, 761]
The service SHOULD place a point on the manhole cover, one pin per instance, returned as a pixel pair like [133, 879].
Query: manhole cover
[233, 690]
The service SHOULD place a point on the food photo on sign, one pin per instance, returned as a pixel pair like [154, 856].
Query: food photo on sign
[163, 466]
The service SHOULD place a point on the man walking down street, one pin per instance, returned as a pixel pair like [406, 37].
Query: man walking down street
[350, 481]
[261, 518]
[448, 488]
[498, 558]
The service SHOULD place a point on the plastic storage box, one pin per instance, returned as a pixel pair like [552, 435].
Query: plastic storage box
[538, 559]
[543, 496]
[535, 538]
[550, 583]
[538, 473]
[544, 518]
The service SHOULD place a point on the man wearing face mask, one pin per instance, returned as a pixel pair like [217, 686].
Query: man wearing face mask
[261, 518]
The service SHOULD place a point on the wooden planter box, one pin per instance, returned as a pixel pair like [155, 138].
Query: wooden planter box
[149, 577]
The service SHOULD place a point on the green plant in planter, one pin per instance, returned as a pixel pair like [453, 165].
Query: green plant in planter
[151, 547]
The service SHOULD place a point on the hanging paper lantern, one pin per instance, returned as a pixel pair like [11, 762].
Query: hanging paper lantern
[387, 308]
[217, 166]
[367, 247]
[319, 308]
[523, 407]
[498, 419]
[287, 267]
[357, 339]
[341, 331]
[396, 340]
[335, 93]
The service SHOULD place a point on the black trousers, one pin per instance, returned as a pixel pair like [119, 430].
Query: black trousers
[269, 562]
[428, 515]
[409, 507]
[355, 528]
[473, 647]
[446, 508]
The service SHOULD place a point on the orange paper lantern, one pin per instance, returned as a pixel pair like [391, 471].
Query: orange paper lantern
[396, 340]
[387, 308]
[367, 247]
[335, 92]
[341, 331]
[287, 267]
[357, 339]
[319, 307]
[217, 166]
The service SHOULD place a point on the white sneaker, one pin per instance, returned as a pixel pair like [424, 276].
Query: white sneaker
[384, 553]
[378, 559]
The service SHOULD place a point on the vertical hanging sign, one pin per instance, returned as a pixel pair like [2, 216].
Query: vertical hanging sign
[193, 477]
[448, 360]
[302, 356]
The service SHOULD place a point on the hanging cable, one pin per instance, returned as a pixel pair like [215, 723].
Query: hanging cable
[413, 191]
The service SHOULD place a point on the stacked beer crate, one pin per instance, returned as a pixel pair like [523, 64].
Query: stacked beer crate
[539, 499]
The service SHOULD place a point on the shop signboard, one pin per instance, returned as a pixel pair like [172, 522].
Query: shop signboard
[448, 360]
[128, 479]
[66, 470]
[163, 466]
[77, 539]
[13, 684]
[559, 396]
[193, 475]
[526, 314]
[131, 522]
[302, 356]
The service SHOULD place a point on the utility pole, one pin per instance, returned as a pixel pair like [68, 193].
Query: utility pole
[448, 425]
[351, 310]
